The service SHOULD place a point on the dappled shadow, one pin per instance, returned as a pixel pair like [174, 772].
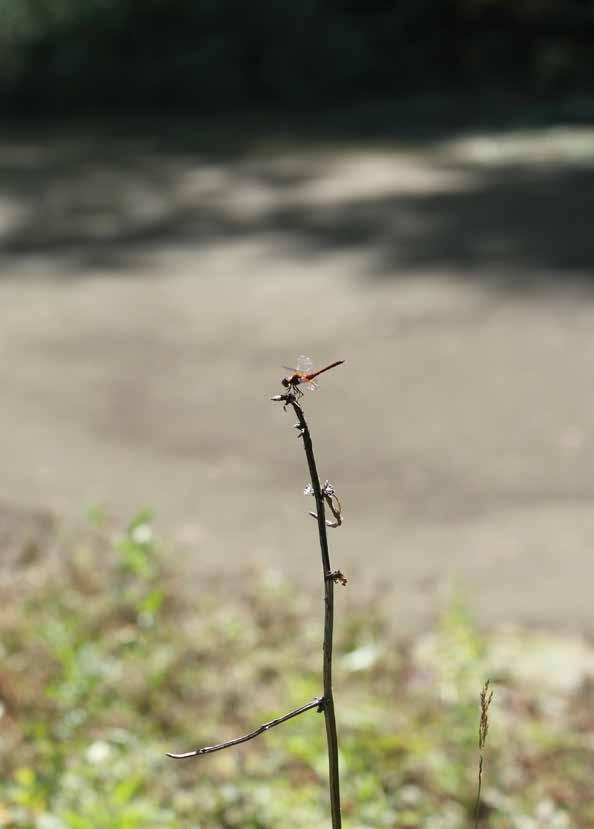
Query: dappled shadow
[533, 222]
[106, 199]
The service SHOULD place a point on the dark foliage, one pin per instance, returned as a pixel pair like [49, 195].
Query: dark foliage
[207, 54]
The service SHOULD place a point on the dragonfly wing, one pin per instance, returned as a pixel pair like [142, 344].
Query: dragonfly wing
[311, 385]
[304, 364]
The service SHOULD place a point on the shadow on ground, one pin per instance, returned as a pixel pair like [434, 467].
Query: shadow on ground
[105, 197]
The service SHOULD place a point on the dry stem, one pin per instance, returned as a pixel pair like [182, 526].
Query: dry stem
[326, 702]
[329, 580]
[317, 703]
[486, 699]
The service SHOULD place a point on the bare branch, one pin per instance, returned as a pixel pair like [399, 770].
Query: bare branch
[324, 496]
[321, 496]
[317, 703]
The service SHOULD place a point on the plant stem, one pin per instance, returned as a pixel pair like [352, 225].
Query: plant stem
[329, 715]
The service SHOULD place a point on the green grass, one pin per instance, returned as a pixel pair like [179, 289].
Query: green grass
[112, 655]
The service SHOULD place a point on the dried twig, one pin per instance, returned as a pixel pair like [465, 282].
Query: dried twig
[289, 399]
[325, 495]
[486, 699]
[317, 703]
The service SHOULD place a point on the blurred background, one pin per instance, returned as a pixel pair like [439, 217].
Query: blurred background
[191, 195]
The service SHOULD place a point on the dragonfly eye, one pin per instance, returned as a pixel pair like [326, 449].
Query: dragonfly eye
[285, 382]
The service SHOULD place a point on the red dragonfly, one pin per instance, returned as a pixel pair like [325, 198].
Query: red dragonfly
[304, 376]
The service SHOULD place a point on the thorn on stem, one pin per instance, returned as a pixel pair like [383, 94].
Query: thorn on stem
[337, 576]
[286, 399]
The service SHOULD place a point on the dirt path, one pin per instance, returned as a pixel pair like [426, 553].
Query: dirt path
[146, 306]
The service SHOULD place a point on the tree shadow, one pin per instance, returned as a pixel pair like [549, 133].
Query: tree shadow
[106, 198]
[533, 222]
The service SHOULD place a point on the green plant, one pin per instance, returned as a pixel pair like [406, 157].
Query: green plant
[93, 754]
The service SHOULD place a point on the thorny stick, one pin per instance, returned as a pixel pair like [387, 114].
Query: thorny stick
[317, 703]
[326, 702]
[331, 735]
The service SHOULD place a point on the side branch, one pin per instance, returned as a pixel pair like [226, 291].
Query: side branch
[317, 703]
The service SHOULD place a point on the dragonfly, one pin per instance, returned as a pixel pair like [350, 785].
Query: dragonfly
[303, 376]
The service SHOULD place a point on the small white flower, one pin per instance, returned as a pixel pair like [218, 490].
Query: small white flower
[142, 534]
[98, 752]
